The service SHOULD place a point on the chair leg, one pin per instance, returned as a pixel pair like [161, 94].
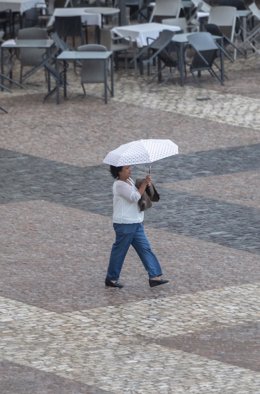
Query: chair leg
[21, 74]
[84, 90]
[4, 110]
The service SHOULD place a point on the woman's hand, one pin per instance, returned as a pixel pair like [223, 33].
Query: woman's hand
[148, 180]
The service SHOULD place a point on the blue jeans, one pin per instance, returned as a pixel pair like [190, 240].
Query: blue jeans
[126, 235]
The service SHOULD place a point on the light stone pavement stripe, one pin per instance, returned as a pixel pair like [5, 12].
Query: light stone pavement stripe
[223, 108]
[146, 370]
[178, 315]
[227, 108]
[106, 347]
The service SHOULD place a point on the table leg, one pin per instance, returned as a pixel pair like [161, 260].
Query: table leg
[105, 80]
[2, 68]
[181, 62]
[112, 76]
[64, 79]
[222, 62]
[57, 83]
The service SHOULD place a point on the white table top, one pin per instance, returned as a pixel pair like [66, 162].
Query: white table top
[19, 5]
[183, 38]
[140, 32]
[34, 43]
[104, 11]
[91, 18]
[84, 55]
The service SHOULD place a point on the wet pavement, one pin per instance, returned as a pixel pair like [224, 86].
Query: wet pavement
[62, 331]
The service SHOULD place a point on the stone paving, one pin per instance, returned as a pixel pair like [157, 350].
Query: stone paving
[62, 331]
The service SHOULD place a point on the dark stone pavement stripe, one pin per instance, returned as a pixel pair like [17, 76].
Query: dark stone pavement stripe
[25, 177]
[212, 162]
[227, 224]
[237, 345]
[19, 379]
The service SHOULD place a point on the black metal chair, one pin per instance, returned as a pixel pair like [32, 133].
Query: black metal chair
[158, 51]
[216, 31]
[30, 18]
[50, 66]
[6, 22]
[69, 26]
[204, 55]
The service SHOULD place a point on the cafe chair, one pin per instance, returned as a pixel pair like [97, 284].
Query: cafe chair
[6, 22]
[30, 17]
[252, 37]
[198, 15]
[69, 26]
[31, 57]
[225, 17]
[92, 71]
[118, 45]
[138, 10]
[165, 9]
[215, 31]
[158, 52]
[204, 55]
[50, 66]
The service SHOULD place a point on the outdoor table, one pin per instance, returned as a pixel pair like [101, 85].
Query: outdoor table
[18, 44]
[140, 32]
[89, 18]
[20, 6]
[181, 40]
[103, 57]
[105, 12]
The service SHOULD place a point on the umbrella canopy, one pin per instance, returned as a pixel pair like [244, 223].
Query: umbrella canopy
[141, 152]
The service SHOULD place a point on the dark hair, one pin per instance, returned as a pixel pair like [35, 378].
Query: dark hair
[115, 171]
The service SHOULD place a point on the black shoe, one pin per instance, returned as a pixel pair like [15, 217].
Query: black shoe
[110, 283]
[157, 282]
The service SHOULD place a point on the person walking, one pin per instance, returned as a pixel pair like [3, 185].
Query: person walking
[129, 229]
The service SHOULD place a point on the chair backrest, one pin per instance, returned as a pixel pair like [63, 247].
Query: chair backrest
[30, 33]
[163, 39]
[166, 8]
[225, 18]
[157, 46]
[205, 53]
[202, 41]
[92, 71]
[205, 50]
[31, 56]
[213, 29]
[31, 17]
[255, 10]
[68, 26]
[201, 5]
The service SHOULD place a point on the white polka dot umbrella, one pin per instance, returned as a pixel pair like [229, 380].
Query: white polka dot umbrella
[141, 152]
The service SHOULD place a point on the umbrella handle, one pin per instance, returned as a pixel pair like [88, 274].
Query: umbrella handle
[149, 172]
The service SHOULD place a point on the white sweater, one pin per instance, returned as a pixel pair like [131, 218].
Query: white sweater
[125, 207]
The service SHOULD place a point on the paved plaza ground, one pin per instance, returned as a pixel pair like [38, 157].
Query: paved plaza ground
[62, 331]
